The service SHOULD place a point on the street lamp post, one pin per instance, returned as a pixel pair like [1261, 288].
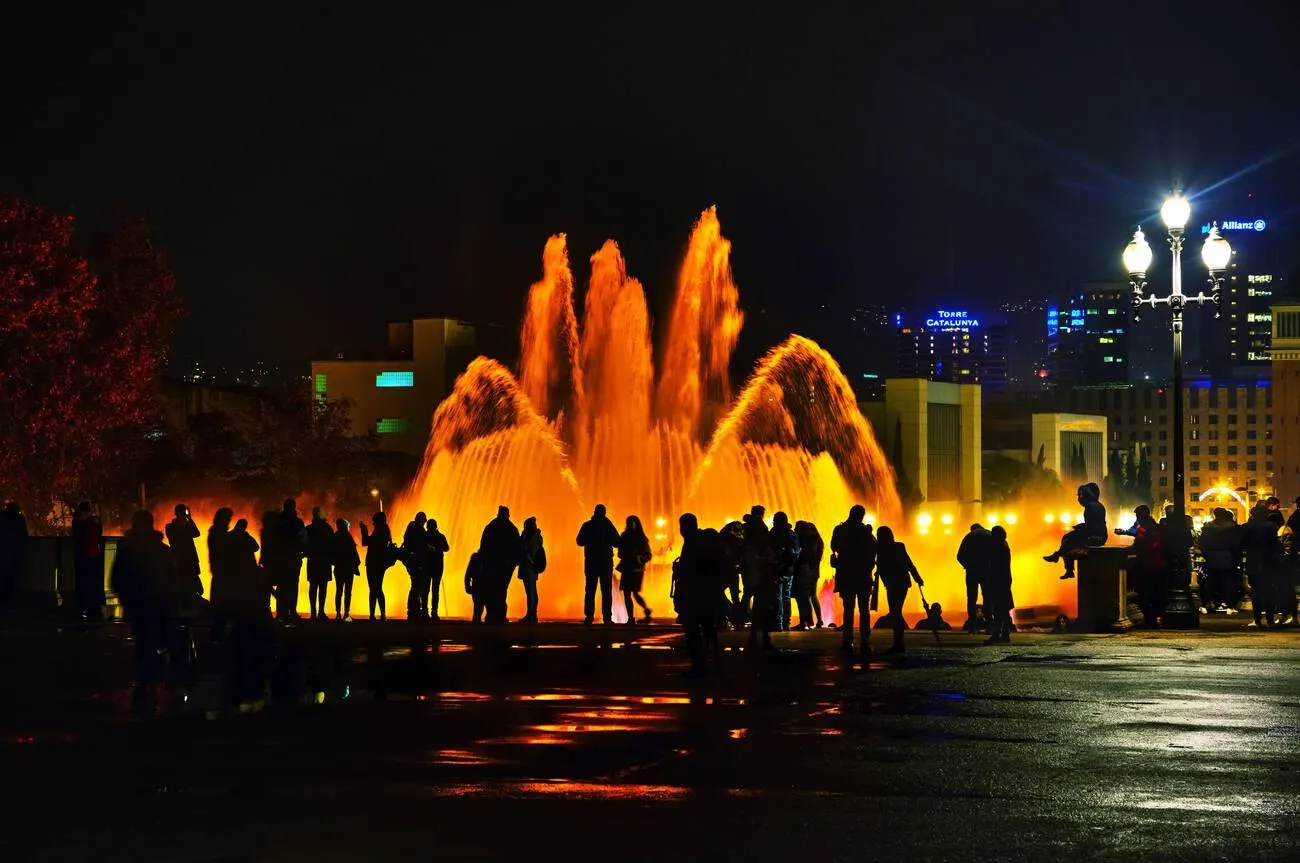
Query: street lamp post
[1180, 611]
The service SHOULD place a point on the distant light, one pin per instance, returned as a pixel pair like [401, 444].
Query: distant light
[1011, 518]
[992, 518]
[1065, 518]
[660, 521]
[923, 520]
[1049, 518]
[946, 518]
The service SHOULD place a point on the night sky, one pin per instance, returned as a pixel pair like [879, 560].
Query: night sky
[313, 174]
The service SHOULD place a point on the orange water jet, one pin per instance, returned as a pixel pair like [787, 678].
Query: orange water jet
[580, 426]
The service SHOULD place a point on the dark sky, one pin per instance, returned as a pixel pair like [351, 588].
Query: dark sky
[315, 173]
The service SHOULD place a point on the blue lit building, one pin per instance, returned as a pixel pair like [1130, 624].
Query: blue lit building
[1236, 347]
[1088, 336]
[952, 345]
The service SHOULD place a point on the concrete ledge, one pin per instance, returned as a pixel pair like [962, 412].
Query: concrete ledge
[1103, 589]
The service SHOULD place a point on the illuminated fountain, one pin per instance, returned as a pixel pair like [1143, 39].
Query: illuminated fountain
[589, 421]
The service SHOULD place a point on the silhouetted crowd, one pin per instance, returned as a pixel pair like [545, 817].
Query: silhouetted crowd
[751, 574]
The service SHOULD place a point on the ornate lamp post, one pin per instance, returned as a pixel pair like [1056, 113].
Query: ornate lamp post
[1180, 611]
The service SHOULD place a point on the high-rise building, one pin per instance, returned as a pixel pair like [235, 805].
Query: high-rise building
[956, 346]
[1090, 345]
[1027, 344]
[1237, 346]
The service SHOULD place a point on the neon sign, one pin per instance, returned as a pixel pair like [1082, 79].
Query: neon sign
[1259, 280]
[1237, 225]
[952, 319]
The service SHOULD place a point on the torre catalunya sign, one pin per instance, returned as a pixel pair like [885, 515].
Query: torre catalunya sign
[961, 320]
[1235, 225]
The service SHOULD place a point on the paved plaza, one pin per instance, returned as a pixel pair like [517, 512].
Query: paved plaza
[558, 742]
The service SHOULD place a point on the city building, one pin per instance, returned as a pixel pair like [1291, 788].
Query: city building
[1229, 436]
[394, 397]
[933, 431]
[1088, 336]
[1237, 346]
[1285, 350]
[1028, 369]
[1073, 446]
[952, 346]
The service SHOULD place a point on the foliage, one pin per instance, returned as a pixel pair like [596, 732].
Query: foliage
[1006, 479]
[1128, 481]
[81, 345]
[284, 442]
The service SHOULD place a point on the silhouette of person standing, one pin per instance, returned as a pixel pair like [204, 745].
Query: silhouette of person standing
[808, 574]
[633, 556]
[974, 555]
[13, 545]
[437, 551]
[320, 562]
[181, 533]
[247, 592]
[762, 591]
[380, 555]
[347, 564]
[897, 572]
[853, 557]
[144, 579]
[996, 585]
[598, 538]
[785, 557]
[88, 562]
[219, 568]
[415, 556]
[532, 563]
[291, 541]
[499, 553]
[699, 579]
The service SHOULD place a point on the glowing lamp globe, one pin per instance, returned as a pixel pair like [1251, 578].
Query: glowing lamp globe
[1216, 253]
[1175, 212]
[1137, 255]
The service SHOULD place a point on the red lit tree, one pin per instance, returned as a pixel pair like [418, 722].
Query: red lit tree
[79, 356]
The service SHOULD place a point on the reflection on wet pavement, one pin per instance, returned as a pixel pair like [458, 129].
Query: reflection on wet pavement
[1102, 731]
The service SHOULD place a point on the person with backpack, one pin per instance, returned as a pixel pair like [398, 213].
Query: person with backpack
[532, 563]
[347, 564]
[785, 557]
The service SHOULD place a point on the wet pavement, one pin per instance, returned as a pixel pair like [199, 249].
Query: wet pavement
[557, 742]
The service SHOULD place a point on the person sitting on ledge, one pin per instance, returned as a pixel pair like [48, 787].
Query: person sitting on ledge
[1090, 534]
[933, 620]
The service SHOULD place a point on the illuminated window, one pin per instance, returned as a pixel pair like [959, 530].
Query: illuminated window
[391, 426]
[320, 385]
[395, 379]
